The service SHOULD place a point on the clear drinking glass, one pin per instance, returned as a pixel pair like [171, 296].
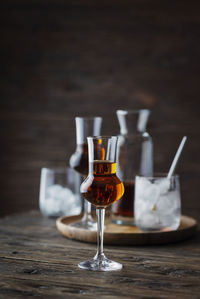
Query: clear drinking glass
[157, 203]
[59, 192]
[102, 188]
[85, 126]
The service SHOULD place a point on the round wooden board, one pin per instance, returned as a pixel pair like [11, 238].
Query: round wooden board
[127, 235]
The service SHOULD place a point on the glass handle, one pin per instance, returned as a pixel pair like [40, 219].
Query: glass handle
[100, 232]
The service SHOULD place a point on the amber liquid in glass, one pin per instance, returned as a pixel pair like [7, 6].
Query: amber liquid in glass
[124, 207]
[79, 160]
[102, 187]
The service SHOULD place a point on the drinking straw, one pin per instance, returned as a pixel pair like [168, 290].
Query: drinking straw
[176, 158]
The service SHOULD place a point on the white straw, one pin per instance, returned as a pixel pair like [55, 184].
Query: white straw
[176, 158]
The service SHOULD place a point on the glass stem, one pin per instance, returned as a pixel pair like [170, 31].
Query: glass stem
[100, 231]
[87, 209]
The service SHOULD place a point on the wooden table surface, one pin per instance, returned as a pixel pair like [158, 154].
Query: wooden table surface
[37, 261]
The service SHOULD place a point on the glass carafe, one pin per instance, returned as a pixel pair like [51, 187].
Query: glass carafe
[134, 157]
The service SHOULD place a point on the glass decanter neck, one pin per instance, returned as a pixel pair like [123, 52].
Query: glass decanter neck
[133, 121]
[87, 126]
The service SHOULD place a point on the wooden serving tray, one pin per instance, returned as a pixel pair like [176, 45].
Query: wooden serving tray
[127, 235]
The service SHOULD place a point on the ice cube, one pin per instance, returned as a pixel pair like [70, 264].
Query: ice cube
[140, 207]
[151, 194]
[168, 202]
[60, 200]
[147, 191]
[142, 184]
[169, 209]
[52, 191]
[50, 206]
[146, 196]
[163, 185]
[148, 220]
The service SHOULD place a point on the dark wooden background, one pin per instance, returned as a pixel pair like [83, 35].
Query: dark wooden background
[65, 58]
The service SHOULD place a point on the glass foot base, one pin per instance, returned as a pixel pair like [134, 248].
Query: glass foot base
[102, 264]
[120, 220]
[86, 223]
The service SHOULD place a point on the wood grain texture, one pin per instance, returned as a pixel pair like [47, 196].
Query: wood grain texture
[36, 261]
[63, 58]
[126, 235]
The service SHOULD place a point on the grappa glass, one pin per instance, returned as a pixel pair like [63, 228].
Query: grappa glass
[101, 188]
[85, 126]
